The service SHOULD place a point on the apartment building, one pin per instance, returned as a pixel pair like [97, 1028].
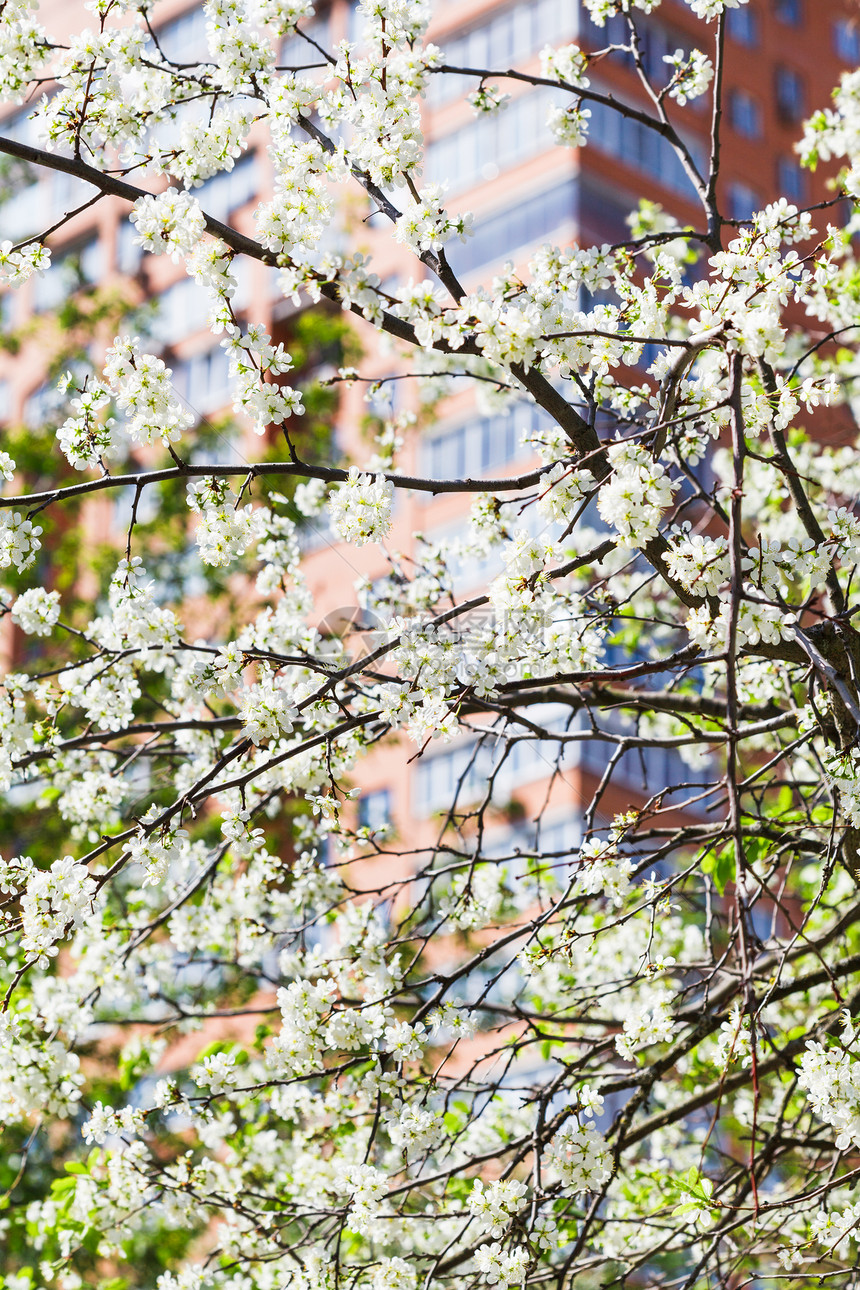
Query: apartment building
[785, 56]
[783, 61]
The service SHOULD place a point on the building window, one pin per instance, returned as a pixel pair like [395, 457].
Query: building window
[5, 401]
[129, 251]
[469, 567]
[297, 52]
[743, 201]
[374, 810]
[603, 212]
[647, 770]
[615, 31]
[182, 310]
[505, 40]
[461, 774]
[790, 97]
[43, 405]
[745, 114]
[229, 189]
[203, 380]
[742, 25]
[846, 40]
[31, 199]
[76, 267]
[483, 444]
[791, 180]
[383, 397]
[8, 310]
[501, 140]
[124, 507]
[655, 42]
[789, 11]
[500, 235]
[643, 149]
[184, 39]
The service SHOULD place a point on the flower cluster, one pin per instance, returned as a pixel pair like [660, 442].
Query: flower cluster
[637, 493]
[86, 438]
[54, 901]
[563, 488]
[253, 358]
[141, 385]
[581, 1158]
[106, 1121]
[155, 848]
[17, 266]
[170, 224]
[650, 1022]
[243, 55]
[757, 621]
[843, 774]
[488, 99]
[713, 8]
[426, 226]
[499, 1266]
[206, 149]
[691, 74]
[225, 529]
[832, 1083]
[393, 1052]
[16, 733]
[266, 710]
[36, 611]
[19, 541]
[602, 870]
[569, 125]
[699, 563]
[414, 1129]
[360, 508]
[24, 50]
[136, 620]
[568, 63]
[495, 1204]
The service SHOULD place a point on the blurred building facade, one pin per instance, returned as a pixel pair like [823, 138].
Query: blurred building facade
[784, 58]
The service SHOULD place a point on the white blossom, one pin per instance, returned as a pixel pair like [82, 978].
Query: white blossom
[501, 1267]
[495, 1205]
[36, 611]
[266, 710]
[16, 266]
[691, 74]
[636, 494]
[170, 224]
[581, 1158]
[55, 901]
[360, 508]
[19, 541]
[141, 384]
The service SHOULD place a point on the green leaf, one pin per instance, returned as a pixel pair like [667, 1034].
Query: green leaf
[91, 1240]
[756, 849]
[218, 1046]
[687, 1208]
[721, 867]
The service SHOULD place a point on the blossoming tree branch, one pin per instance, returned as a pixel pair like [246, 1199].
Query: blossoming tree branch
[460, 1061]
